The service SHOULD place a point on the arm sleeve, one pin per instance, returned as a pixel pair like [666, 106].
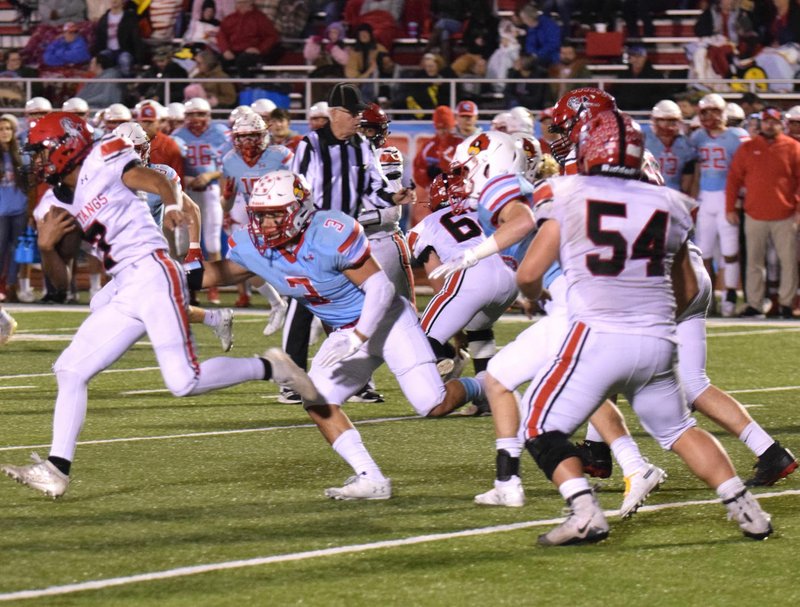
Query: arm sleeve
[378, 294]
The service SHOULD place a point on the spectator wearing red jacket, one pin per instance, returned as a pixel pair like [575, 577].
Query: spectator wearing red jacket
[436, 154]
[163, 148]
[247, 37]
[768, 167]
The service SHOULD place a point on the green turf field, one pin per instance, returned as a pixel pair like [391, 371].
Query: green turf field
[217, 499]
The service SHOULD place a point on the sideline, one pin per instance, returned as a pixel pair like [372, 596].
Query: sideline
[337, 550]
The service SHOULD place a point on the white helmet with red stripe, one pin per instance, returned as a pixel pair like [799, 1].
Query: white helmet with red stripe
[284, 199]
[712, 111]
[133, 132]
[666, 116]
[478, 159]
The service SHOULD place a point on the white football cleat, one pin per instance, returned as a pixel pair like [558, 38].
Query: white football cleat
[505, 493]
[361, 488]
[728, 309]
[276, 317]
[585, 523]
[450, 368]
[286, 373]
[28, 296]
[40, 475]
[639, 486]
[224, 330]
[7, 326]
[745, 510]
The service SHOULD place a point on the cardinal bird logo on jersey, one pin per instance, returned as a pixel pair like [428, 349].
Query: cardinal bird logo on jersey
[478, 145]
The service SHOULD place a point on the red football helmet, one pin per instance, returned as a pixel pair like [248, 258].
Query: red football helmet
[612, 144]
[286, 198]
[571, 112]
[438, 192]
[58, 142]
[373, 117]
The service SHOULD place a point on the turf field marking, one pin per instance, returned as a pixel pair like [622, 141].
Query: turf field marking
[17, 387]
[134, 439]
[50, 373]
[335, 551]
[748, 333]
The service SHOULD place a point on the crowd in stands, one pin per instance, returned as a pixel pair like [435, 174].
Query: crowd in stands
[358, 40]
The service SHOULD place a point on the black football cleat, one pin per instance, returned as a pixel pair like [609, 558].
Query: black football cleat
[773, 465]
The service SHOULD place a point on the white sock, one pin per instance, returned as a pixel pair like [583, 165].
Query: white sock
[94, 281]
[352, 450]
[574, 485]
[730, 488]
[731, 275]
[24, 284]
[592, 434]
[270, 294]
[627, 454]
[756, 439]
[513, 446]
[211, 317]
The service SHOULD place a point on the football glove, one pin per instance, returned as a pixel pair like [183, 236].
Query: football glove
[462, 261]
[339, 346]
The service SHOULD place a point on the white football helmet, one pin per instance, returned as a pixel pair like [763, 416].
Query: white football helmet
[250, 136]
[263, 107]
[711, 109]
[133, 132]
[520, 120]
[734, 114]
[198, 115]
[793, 113]
[76, 105]
[176, 111]
[667, 117]
[501, 121]
[666, 109]
[529, 154]
[197, 105]
[319, 110]
[284, 198]
[478, 159]
[238, 112]
[116, 114]
[38, 105]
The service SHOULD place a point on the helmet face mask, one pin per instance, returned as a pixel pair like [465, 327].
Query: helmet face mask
[279, 209]
[250, 137]
[711, 110]
[668, 128]
[439, 192]
[197, 122]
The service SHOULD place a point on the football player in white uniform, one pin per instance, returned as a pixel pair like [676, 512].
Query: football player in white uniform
[100, 179]
[382, 225]
[470, 300]
[622, 293]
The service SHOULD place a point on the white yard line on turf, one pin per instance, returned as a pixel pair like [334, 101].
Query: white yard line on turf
[134, 439]
[335, 551]
[50, 374]
[17, 387]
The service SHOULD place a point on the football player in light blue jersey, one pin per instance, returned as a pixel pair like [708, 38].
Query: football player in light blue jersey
[203, 161]
[675, 154]
[251, 158]
[716, 144]
[323, 260]
[220, 321]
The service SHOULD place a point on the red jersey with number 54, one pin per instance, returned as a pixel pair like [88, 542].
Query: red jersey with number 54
[618, 240]
[112, 216]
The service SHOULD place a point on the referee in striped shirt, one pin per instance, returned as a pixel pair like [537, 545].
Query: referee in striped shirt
[343, 172]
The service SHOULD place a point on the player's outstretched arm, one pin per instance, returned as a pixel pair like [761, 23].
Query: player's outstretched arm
[223, 273]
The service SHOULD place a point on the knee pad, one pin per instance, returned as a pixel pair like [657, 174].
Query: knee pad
[550, 449]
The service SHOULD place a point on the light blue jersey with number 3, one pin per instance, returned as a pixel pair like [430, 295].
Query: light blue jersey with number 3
[312, 270]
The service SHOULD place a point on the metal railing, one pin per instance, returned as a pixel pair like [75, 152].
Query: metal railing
[301, 95]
